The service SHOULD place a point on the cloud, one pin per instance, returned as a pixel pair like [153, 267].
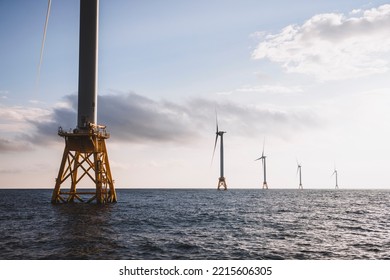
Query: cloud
[333, 46]
[45, 128]
[256, 120]
[270, 89]
[4, 93]
[7, 145]
[15, 123]
[266, 88]
[128, 117]
[134, 118]
[21, 115]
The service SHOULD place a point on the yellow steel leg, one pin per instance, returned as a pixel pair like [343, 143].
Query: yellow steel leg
[85, 155]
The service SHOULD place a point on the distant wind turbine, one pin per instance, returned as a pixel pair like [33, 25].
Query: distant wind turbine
[221, 180]
[299, 170]
[335, 173]
[263, 161]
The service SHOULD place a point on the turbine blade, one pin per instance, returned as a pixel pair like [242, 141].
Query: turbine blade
[43, 41]
[216, 119]
[215, 146]
[263, 147]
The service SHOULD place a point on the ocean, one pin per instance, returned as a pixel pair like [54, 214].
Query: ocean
[238, 224]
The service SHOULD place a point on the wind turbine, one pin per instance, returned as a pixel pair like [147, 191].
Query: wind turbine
[221, 180]
[335, 173]
[263, 161]
[85, 154]
[299, 170]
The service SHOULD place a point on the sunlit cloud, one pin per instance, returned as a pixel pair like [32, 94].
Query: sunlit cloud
[333, 46]
[16, 119]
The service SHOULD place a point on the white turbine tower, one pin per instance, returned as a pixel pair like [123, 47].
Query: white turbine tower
[299, 171]
[336, 176]
[85, 154]
[263, 161]
[221, 180]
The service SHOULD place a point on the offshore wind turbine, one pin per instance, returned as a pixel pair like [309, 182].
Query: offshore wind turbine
[85, 154]
[299, 171]
[221, 180]
[335, 173]
[263, 161]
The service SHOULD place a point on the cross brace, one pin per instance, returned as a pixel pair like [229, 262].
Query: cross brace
[85, 156]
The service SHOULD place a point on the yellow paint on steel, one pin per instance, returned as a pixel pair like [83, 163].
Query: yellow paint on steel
[85, 155]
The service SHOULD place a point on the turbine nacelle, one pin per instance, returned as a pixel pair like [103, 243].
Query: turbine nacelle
[218, 133]
[262, 158]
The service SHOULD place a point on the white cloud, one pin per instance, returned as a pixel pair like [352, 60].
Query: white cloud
[333, 46]
[17, 118]
[270, 89]
[264, 88]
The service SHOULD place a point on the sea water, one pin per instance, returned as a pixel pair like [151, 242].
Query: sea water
[199, 224]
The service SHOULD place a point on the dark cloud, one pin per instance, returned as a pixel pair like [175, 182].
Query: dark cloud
[133, 118]
[128, 117]
[47, 127]
[137, 119]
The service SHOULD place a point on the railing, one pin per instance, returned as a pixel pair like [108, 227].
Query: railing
[95, 129]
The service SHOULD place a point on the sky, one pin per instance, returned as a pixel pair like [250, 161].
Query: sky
[308, 80]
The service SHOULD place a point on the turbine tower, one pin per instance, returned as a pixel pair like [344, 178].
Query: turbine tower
[221, 180]
[337, 184]
[85, 153]
[263, 162]
[299, 170]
